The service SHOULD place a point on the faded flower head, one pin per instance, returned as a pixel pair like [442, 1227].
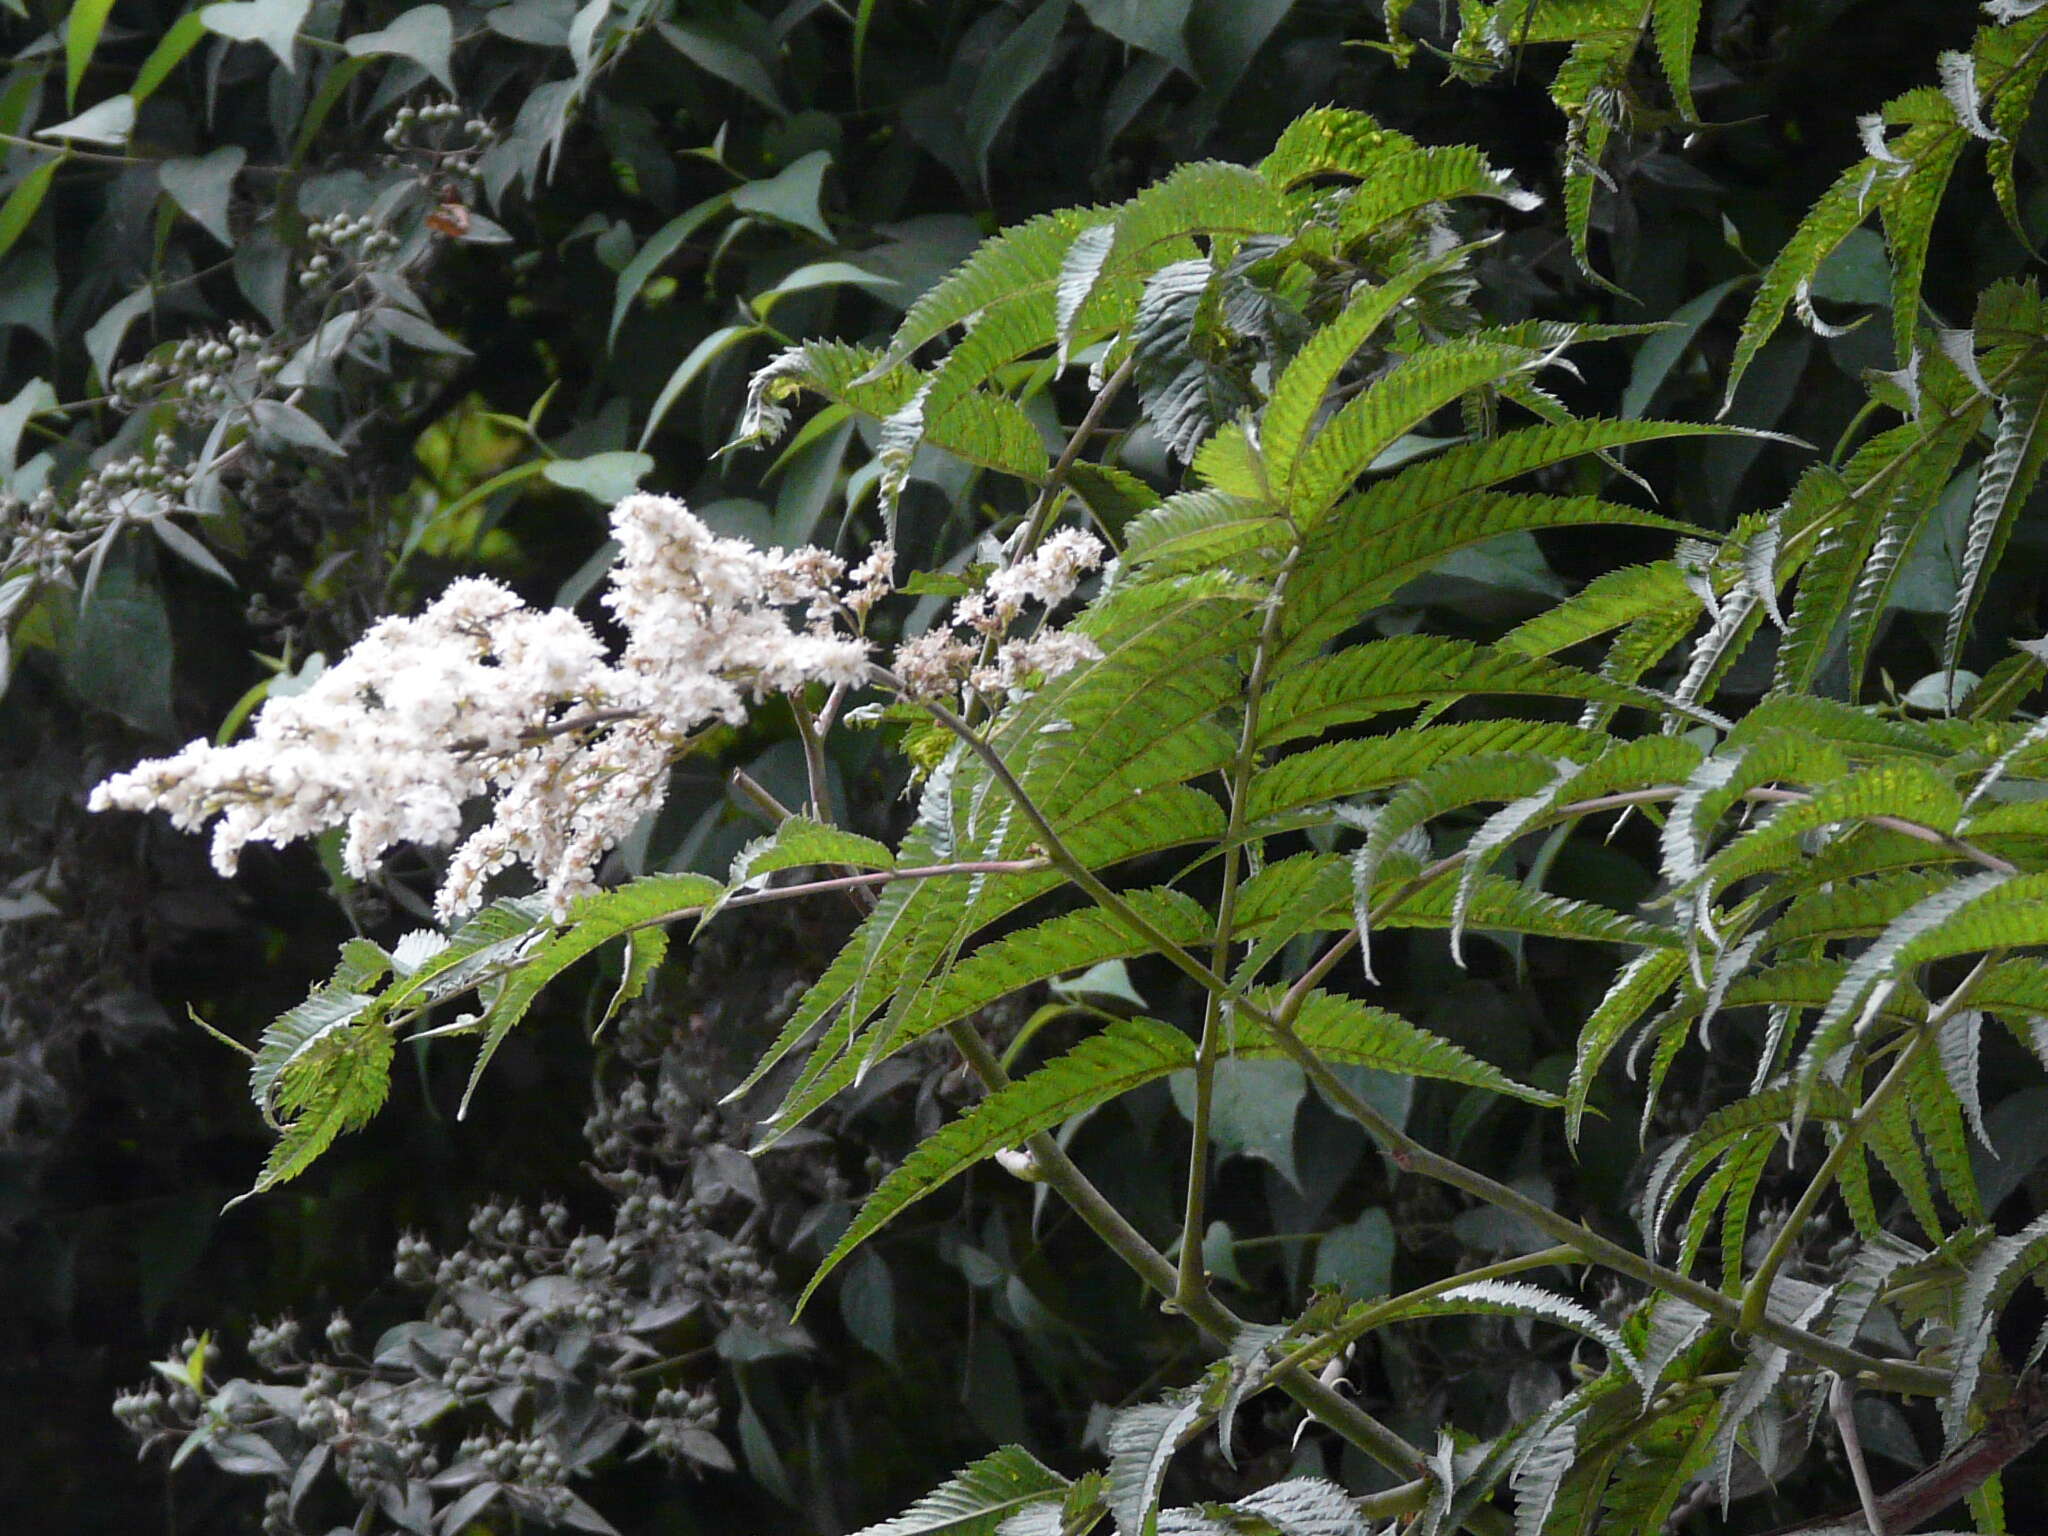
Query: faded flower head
[482, 696]
[1046, 654]
[939, 661]
[1047, 575]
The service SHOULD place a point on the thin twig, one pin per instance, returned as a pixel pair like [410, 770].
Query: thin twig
[860, 897]
[815, 769]
[756, 794]
[573, 723]
[1842, 1403]
[2010, 1431]
[1914, 829]
[872, 878]
[1039, 518]
[1216, 1005]
[68, 151]
[1055, 482]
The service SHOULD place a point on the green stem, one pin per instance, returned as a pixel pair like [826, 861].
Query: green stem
[1849, 1143]
[1326, 1404]
[758, 796]
[1870, 407]
[815, 769]
[1040, 516]
[1216, 1007]
[1129, 1244]
[1394, 1503]
[1056, 849]
[1192, 1277]
[1756, 1296]
[69, 151]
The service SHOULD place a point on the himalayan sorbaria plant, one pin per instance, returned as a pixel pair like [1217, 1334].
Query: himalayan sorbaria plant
[1221, 765]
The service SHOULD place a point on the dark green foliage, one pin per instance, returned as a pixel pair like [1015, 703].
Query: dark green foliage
[1676, 783]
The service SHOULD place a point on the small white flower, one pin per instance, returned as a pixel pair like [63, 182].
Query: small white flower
[481, 696]
[1048, 574]
[934, 665]
[1048, 654]
[872, 580]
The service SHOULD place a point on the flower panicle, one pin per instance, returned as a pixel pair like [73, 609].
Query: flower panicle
[941, 661]
[480, 695]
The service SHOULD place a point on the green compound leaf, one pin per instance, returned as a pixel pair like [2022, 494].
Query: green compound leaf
[977, 1499]
[2010, 471]
[1676, 24]
[1344, 1029]
[1022, 262]
[1130, 1053]
[1300, 392]
[1142, 1440]
[336, 1083]
[1842, 208]
[801, 842]
[1410, 670]
[592, 922]
[1512, 1298]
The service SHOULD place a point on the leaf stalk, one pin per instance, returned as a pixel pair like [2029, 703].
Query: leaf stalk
[1756, 1296]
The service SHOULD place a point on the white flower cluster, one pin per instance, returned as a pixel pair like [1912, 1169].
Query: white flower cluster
[940, 660]
[481, 695]
[1049, 574]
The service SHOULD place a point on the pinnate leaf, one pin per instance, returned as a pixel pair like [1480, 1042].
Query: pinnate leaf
[1344, 1029]
[1131, 1052]
[977, 1499]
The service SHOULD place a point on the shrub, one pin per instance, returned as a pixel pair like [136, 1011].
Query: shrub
[1183, 746]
